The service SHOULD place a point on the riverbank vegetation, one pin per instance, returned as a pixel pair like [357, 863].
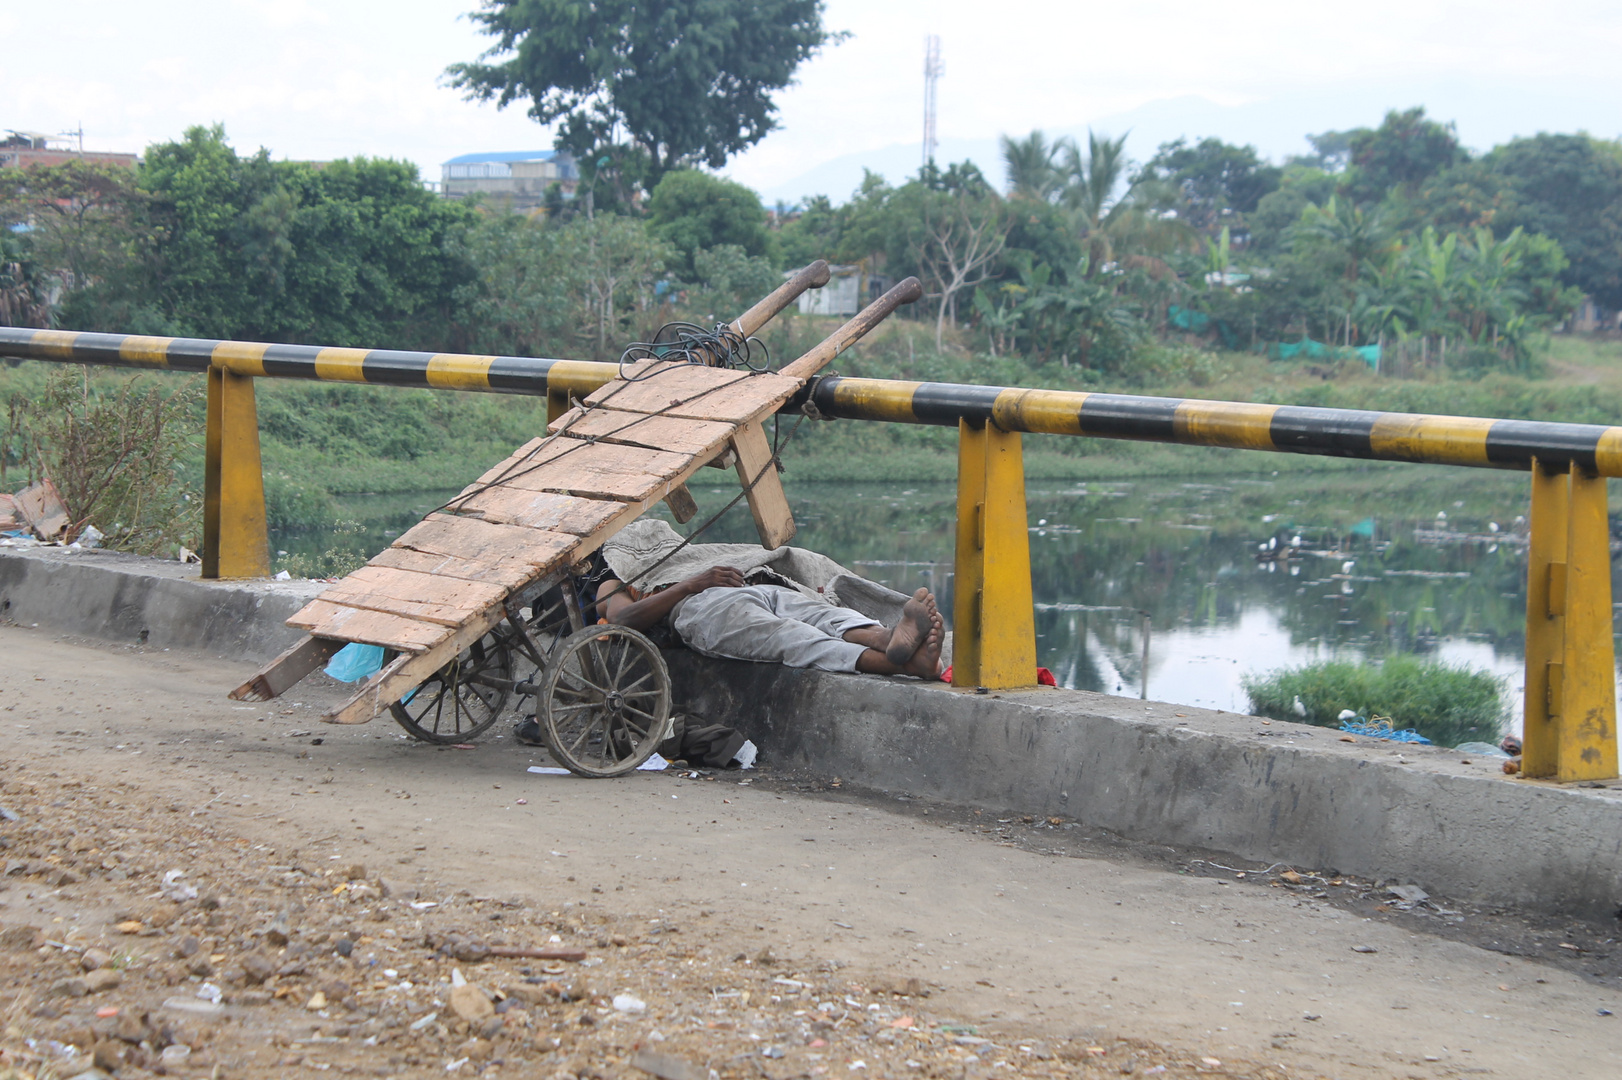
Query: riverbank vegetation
[1448, 705]
[1390, 269]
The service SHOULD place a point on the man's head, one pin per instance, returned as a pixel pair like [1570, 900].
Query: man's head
[635, 549]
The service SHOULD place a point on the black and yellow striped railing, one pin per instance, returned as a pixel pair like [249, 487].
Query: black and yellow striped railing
[1448, 440]
[383, 367]
[1295, 429]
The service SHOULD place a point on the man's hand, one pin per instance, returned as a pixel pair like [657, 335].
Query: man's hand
[716, 577]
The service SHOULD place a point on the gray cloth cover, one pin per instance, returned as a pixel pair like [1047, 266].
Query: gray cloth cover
[632, 552]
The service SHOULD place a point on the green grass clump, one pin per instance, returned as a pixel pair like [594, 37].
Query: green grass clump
[1448, 705]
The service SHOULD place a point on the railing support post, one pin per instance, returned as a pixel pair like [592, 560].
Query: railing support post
[1570, 729]
[557, 403]
[235, 541]
[994, 623]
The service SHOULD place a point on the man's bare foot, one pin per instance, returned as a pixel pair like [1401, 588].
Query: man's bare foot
[926, 662]
[917, 616]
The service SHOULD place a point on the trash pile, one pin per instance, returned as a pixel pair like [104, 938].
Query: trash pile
[36, 512]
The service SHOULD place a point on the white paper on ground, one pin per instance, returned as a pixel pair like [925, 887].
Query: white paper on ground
[745, 757]
[548, 770]
[654, 764]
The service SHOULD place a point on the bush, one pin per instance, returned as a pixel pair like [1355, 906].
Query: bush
[1448, 705]
[113, 447]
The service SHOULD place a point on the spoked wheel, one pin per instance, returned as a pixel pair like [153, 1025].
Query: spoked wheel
[460, 701]
[604, 701]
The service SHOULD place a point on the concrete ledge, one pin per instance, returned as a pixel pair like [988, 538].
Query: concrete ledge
[133, 599]
[1173, 774]
[1149, 771]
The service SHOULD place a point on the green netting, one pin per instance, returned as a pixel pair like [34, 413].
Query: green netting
[1197, 322]
[1317, 350]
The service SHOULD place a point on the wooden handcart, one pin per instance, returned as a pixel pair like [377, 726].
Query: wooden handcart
[478, 602]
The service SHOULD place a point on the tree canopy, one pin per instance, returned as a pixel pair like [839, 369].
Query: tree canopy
[693, 210]
[685, 81]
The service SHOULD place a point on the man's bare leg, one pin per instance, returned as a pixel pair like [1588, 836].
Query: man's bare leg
[925, 662]
[917, 617]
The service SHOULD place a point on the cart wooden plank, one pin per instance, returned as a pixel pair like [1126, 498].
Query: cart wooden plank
[774, 521]
[484, 541]
[324, 619]
[670, 433]
[538, 509]
[509, 573]
[449, 601]
[736, 401]
[591, 470]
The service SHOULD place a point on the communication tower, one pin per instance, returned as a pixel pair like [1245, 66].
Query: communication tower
[933, 69]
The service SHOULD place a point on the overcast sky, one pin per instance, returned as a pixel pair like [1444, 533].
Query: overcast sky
[317, 80]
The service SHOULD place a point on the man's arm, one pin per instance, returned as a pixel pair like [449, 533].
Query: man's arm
[615, 604]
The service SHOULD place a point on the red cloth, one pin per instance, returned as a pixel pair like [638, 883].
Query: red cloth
[1044, 677]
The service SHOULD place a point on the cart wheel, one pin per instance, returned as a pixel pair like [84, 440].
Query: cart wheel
[604, 701]
[460, 701]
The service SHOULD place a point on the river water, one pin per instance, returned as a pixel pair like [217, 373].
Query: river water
[1382, 559]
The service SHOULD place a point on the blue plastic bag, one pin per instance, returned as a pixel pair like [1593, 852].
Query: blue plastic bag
[355, 662]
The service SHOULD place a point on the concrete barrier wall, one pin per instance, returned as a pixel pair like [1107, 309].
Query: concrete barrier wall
[1174, 774]
[136, 600]
[1149, 771]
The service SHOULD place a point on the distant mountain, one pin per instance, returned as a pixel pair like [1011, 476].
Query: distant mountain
[1487, 113]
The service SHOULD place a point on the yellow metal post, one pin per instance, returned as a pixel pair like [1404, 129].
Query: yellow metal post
[994, 623]
[235, 543]
[1570, 729]
[557, 403]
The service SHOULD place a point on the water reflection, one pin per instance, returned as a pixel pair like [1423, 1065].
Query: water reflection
[1415, 559]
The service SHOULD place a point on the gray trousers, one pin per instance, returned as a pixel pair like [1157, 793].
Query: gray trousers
[772, 624]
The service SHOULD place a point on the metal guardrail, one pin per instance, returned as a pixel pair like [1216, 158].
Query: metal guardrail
[1293, 429]
[1570, 732]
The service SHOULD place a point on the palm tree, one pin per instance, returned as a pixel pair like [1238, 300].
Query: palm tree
[1112, 226]
[1033, 165]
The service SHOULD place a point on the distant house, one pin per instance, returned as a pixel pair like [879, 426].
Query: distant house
[841, 296]
[1590, 317]
[24, 149]
[514, 179]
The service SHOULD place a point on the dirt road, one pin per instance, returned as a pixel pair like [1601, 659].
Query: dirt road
[766, 932]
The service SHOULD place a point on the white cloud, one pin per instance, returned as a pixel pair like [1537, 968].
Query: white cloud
[315, 79]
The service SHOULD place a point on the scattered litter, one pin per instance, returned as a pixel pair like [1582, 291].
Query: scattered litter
[1412, 894]
[422, 905]
[548, 770]
[655, 763]
[195, 1006]
[625, 1003]
[89, 537]
[745, 757]
[40, 507]
[1364, 949]
[283, 575]
[174, 889]
[355, 662]
[1380, 728]
[1480, 749]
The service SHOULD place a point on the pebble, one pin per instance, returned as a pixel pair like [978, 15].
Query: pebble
[71, 988]
[103, 979]
[471, 1003]
[317, 1001]
[92, 959]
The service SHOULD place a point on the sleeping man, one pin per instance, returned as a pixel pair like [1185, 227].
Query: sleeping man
[746, 603]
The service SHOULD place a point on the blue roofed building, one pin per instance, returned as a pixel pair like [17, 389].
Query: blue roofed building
[511, 179]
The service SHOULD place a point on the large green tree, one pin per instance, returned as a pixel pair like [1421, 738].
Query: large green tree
[1569, 187]
[1402, 152]
[692, 211]
[1212, 177]
[682, 80]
